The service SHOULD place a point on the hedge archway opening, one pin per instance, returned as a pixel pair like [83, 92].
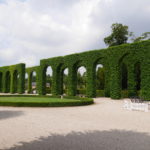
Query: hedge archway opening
[26, 82]
[1, 75]
[124, 77]
[65, 73]
[124, 80]
[81, 80]
[16, 81]
[137, 70]
[100, 80]
[33, 82]
[7, 79]
[48, 79]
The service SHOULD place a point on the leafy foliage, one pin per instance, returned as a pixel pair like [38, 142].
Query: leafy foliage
[135, 77]
[118, 36]
[43, 101]
[13, 79]
[144, 36]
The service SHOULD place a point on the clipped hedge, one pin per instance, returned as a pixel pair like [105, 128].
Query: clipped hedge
[42, 96]
[45, 101]
[111, 58]
[12, 79]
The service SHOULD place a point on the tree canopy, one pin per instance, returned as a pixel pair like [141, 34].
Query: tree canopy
[144, 36]
[118, 36]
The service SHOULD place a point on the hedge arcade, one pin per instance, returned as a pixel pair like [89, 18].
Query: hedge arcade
[131, 56]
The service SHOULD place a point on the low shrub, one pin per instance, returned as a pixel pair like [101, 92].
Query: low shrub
[100, 93]
[124, 93]
[81, 91]
[43, 101]
[78, 98]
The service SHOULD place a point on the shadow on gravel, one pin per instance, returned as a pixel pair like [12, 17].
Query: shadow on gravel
[5, 114]
[96, 140]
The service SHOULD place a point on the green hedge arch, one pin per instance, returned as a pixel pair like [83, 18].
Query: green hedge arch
[111, 58]
[12, 78]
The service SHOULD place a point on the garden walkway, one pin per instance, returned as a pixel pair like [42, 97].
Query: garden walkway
[104, 125]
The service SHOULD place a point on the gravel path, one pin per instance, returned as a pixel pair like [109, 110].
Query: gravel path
[102, 126]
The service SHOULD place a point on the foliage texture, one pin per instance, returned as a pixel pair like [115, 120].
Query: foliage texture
[114, 59]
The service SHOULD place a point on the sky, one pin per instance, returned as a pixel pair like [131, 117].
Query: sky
[31, 30]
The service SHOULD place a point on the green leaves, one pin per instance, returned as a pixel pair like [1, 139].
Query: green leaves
[118, 36]
[144, 36]
[110, 58]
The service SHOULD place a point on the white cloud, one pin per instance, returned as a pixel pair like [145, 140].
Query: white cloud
[30, 60]
[33, 29]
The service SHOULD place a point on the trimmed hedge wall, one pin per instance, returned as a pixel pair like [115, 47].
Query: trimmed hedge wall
[111, 58]
[12, 79]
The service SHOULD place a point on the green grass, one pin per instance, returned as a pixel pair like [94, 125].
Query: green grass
[42, 101]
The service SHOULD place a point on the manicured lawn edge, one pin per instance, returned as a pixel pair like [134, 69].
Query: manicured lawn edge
[74, 101]
[18, 95]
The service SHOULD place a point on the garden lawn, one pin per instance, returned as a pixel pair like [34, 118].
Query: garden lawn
[42, 102]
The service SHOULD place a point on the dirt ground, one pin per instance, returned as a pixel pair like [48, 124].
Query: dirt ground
[104, 125]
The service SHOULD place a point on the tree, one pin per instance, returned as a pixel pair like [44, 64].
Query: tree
[118, 36]
[144, 36]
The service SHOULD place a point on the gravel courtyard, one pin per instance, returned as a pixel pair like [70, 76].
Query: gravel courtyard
[104, 125]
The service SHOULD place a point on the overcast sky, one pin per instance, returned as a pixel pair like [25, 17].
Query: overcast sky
[31, 30]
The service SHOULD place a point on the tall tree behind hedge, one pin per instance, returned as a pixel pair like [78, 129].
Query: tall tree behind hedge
[144, 36]
[118, 36]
